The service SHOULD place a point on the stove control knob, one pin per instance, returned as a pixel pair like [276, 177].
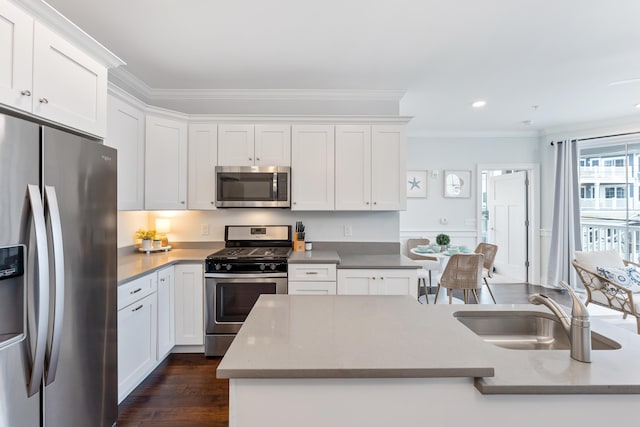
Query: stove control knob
[272, 266]
[217, 266]
[262, 267]
[228, 267]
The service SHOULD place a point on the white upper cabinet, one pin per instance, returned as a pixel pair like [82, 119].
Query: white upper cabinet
[254, 145]
[272, 145]
[165, 164]
[312, 167]
[388, 167]
[125, 132]
[353, 167]
[370, 167]
[16, 54]
[69, 87]
[235, 145]
[203, 158]
[44, 74]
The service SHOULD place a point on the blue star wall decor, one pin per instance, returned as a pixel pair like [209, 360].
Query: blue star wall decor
[416, 183]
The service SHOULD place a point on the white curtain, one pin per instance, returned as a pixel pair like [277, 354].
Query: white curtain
[565, 233]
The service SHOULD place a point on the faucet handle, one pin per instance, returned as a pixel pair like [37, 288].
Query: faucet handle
[578, 308]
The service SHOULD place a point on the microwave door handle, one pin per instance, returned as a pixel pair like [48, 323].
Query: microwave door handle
[275, 187]
[33, 212]
[53, 352]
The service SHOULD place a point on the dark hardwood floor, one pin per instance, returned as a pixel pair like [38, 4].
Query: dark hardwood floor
[184, 392]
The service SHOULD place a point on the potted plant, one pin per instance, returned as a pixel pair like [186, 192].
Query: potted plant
[443, 240]
[147, 237]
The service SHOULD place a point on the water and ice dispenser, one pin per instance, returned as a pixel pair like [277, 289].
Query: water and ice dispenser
[12, 294]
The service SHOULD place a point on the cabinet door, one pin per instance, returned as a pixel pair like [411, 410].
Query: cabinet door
[137, 332]
[16, 55]
[395, 282]
[165, 164]
[69, 87]
[312, 167]
[355, 282]
[389, 170]
[125, 132]
[166, 312]
[235, 145]
[203, 158]
[189, 304]
[273, 145]
[353, 167]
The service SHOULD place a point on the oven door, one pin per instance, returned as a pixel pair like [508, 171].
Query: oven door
[230, 298]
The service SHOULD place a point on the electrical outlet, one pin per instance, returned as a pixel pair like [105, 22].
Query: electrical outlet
[204, 229]
[348, 231]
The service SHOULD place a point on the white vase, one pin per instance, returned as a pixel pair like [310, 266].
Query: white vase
[146, 245]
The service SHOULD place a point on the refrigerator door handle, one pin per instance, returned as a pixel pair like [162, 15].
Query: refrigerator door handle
[34, 212]
[53, 351]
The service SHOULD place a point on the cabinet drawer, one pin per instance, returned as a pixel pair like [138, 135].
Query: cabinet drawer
[312, 288]
[136, 289]
[312, 272]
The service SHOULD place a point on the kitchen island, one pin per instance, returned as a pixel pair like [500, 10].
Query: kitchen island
[387, 360]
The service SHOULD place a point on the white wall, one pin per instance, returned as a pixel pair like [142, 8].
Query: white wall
[186, 226]
[437, 154]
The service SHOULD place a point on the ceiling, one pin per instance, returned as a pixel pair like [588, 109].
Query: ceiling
[551, 62]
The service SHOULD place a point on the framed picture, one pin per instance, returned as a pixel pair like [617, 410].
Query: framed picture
[416, 183]
[457, 183]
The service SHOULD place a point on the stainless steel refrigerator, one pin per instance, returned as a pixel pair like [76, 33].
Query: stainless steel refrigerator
[58, 278]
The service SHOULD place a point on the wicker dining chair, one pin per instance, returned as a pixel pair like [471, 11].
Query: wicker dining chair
[489, 251]
[463, 271]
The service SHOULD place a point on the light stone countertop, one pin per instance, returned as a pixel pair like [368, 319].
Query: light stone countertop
[289, 336]
[134, 265]
[314, 257]
[391, 261]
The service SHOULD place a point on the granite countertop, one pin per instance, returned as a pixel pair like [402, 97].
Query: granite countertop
[289, 336]
[137, 264]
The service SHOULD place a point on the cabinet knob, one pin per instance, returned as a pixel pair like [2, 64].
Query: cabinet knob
[258, 159]
[44, 101]
[375, 203]
[373, 278]
[25, 93]
[382, 278]
[295, 203]
[250, 158]
[182, 202]
[213, 203]
[367, 203]
[137, 308]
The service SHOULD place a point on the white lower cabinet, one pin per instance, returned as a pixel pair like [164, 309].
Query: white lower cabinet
[189, 304]
[137, 351]
[166, 312]
[377, 282]
[312, 279]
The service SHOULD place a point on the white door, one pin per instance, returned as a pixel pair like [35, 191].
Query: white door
[166, 312]
[507, 205]
[189, 304]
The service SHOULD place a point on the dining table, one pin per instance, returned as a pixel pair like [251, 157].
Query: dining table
[441, 257]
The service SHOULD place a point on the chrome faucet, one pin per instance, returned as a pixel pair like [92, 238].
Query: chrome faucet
[578, 327]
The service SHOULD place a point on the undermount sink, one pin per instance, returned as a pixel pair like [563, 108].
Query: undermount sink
[525, 330]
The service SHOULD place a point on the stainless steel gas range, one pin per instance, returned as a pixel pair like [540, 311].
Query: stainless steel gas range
[253, 262]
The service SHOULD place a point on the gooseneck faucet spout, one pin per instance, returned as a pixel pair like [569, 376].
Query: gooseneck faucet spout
[578, 327]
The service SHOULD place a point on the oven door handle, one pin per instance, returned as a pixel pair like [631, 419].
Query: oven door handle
[245, 276]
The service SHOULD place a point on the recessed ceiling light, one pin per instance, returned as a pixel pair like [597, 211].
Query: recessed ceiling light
[637, 105]
[479, 104]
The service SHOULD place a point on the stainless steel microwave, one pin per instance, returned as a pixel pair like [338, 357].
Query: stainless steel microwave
[253, 186]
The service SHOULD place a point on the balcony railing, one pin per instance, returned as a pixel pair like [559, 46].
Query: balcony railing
[624, 239]
[605, 174]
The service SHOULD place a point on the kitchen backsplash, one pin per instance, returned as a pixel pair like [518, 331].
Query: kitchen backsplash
[194, 226]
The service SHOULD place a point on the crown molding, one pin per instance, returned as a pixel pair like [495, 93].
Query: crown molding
[46, 14]
[473, 134]
[594, 128]
[129, 80]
